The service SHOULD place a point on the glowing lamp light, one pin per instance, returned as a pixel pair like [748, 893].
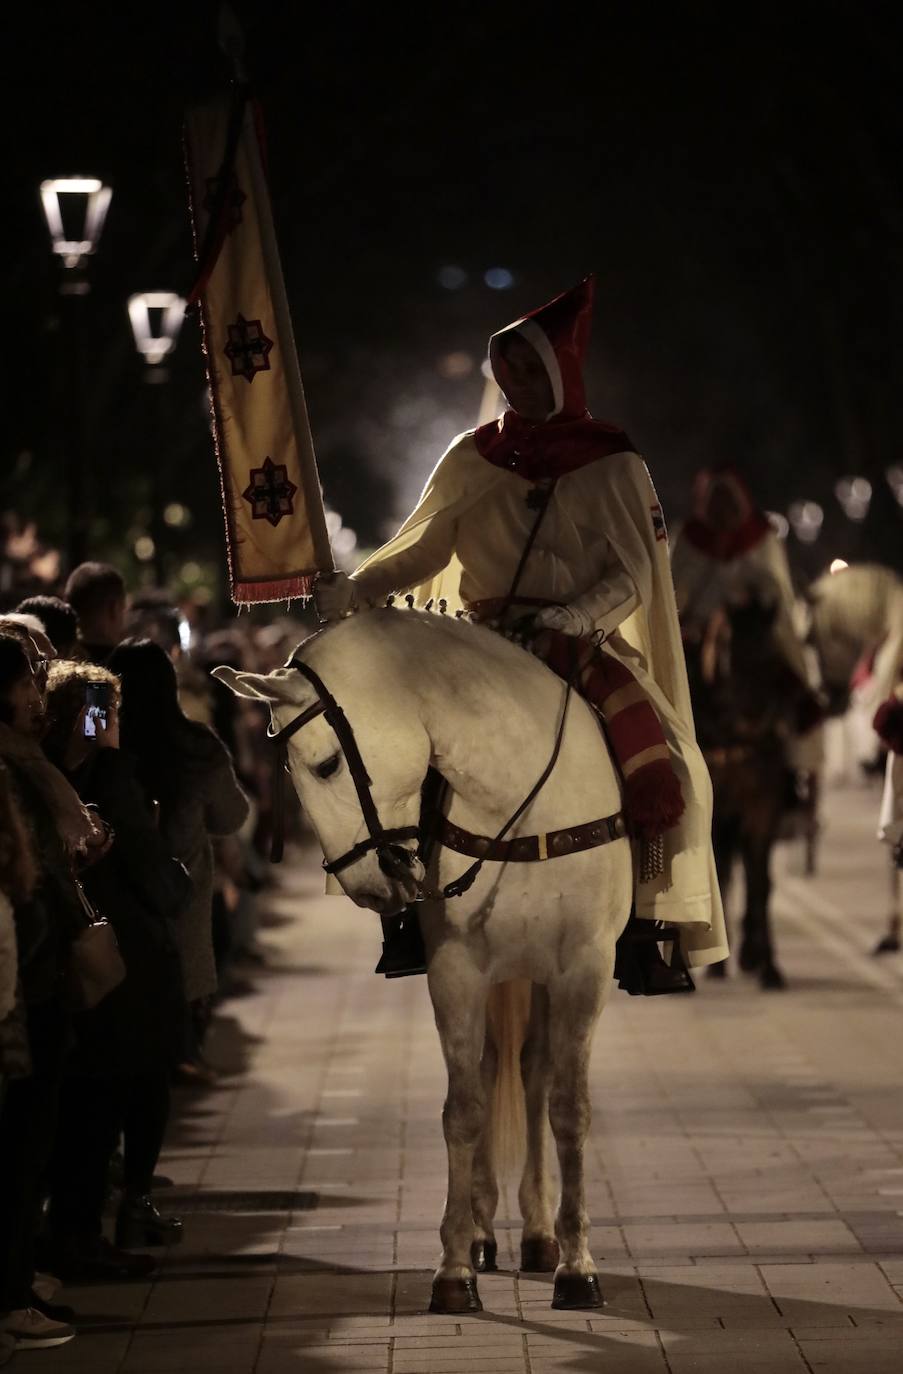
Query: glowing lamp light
[451, 277]
[894, 477]
[779, 523]
[499, 279]
[854, 495]
[144, 548]
[838, 565]
[454, 366]
[806, 517]
[156, 318]
[96, 201]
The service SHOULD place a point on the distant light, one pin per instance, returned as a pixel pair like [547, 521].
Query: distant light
[144, 548]
[177, 515]
[499, 278]
[451, 277]
[333, 522]
[779, 523]
[854, 495]
[185, 635]
[191, 572]
[156, 335]
[838, 565]
[895, 482]
[806, 517]
[486, 369]
[453, 366]
[72, 250]
[344, 542]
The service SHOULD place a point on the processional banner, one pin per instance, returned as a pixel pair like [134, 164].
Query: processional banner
[276, 538]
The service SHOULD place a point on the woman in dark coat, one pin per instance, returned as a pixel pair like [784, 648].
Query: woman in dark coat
[186, 768]
[118, 1075]
[47, 918]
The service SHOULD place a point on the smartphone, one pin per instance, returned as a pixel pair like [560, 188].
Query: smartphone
[97, 700]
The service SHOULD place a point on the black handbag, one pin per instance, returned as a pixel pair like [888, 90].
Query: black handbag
[96, 965]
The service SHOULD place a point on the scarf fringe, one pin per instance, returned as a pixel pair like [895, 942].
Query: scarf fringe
[653, 801]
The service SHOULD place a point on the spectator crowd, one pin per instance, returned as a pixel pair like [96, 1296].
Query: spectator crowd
[134, 814]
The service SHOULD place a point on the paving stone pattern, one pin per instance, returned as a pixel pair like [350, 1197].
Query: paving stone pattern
[745, 1172]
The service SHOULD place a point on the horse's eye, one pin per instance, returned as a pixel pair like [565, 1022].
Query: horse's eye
[327, 767]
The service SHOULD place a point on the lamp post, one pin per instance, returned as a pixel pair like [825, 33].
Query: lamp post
[75, 209]
[156, 318]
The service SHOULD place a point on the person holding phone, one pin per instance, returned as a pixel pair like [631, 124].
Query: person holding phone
[118, 1075]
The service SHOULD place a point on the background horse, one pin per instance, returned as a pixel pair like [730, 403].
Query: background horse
[850, 615]
[746, 702]
[421, 690]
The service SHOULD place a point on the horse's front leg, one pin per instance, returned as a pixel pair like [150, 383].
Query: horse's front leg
[458, 991]
[538, 1248]
[575, 1001]
[485, 1198]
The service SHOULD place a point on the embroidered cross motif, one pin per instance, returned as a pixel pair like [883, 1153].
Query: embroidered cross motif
[234, 201]
[248, 349]
[658, 522]
[269, 492]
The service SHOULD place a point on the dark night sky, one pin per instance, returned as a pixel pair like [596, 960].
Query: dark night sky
[734, 178]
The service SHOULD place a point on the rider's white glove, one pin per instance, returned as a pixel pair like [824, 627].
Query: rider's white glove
[570, 620]
[335, 595]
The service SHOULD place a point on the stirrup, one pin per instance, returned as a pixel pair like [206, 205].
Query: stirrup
[403, 953]
[639, 967]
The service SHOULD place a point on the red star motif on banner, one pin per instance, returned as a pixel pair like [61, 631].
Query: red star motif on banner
[234, 201]
[248, 349]
[269, 492]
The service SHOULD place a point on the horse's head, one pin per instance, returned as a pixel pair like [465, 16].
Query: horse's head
[395, 754]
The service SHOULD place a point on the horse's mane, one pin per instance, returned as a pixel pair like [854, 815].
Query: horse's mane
[385, 628]
[843, 603]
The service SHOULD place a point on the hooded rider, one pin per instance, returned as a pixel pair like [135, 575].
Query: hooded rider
[728, 551]
[595, 585]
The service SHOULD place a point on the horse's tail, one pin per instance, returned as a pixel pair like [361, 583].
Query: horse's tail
[508, 1012]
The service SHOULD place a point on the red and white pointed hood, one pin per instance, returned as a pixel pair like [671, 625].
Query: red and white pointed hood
[559, 333]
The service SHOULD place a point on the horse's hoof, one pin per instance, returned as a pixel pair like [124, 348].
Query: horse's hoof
[772, 979]
[575, 1292]
[484, 1256]
[539, 1255]
[455, 1295]
[888, 944]
[750, 958]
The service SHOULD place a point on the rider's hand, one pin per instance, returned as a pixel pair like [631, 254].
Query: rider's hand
[335, 595]
[569, 620]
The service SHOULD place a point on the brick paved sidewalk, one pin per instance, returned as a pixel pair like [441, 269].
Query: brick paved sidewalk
[745, 1170]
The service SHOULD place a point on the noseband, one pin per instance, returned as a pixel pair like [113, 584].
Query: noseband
[392, 854]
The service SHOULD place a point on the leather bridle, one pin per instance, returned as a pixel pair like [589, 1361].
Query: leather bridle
[392, 855]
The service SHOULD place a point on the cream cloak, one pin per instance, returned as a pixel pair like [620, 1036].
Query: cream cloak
[612, 507]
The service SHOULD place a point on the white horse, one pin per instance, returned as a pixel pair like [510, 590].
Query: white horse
[420, 690]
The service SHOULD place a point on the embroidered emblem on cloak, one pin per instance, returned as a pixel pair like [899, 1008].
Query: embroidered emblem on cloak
[658, 522]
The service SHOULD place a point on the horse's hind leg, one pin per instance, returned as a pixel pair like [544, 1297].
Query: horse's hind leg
[485, 1196]
[458, 992]
[575, 1003]
[539, 1248]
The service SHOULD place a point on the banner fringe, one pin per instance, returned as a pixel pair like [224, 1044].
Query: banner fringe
[274, 589]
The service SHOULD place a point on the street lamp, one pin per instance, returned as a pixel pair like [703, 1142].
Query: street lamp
[156, 318]
[95, 199]
[75, 209]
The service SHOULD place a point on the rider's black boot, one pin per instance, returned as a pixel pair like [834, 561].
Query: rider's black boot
[639, 966]
[403, 952]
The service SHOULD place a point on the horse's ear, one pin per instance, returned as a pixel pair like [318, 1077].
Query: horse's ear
[272, 687]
